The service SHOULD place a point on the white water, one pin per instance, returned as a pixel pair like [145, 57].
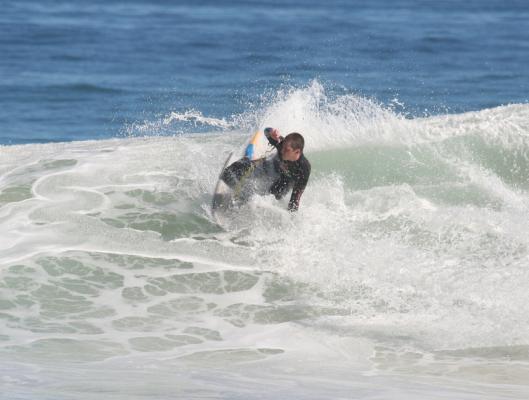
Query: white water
[403, 275]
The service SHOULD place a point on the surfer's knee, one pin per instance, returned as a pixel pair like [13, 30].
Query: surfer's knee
[232, 174]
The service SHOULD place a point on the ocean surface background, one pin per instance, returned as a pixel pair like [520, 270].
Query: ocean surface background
[405, 273]
[74, 70]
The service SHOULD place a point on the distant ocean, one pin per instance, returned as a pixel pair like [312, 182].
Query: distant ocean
[405, 273]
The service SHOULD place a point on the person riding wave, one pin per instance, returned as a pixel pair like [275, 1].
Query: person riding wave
[288, 169]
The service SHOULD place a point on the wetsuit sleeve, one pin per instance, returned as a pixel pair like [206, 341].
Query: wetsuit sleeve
[273, 142]
[299, 187]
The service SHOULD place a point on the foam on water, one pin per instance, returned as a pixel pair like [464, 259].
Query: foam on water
[405, 263]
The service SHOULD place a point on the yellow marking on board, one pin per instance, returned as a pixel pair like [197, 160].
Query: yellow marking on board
[255, 137]
[238, 187]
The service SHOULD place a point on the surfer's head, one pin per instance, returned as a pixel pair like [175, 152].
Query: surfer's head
[292, 147]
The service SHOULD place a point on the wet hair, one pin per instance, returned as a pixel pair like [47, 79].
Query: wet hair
[295, 140]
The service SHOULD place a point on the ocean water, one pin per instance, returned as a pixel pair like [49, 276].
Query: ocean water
[404, 275]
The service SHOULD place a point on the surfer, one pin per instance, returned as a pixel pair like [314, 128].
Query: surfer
[288, 169]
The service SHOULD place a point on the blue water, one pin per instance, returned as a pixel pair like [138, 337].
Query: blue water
[76, 70]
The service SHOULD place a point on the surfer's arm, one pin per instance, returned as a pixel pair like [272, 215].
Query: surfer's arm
[299, 187]
[297, 191]
[273, 136]
[293, 204]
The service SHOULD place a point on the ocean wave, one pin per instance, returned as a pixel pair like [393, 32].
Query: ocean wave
[410, 239]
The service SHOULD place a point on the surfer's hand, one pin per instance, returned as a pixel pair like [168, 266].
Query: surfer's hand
[274, 134]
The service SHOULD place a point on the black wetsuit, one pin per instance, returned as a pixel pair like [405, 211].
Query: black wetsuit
[292, 174]
[289, 174]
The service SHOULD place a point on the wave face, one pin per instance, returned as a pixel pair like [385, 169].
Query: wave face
[404, 269]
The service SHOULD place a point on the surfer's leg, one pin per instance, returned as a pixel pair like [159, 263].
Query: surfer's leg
[233, 174]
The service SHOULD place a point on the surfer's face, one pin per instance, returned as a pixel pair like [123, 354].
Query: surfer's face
[289, 154]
